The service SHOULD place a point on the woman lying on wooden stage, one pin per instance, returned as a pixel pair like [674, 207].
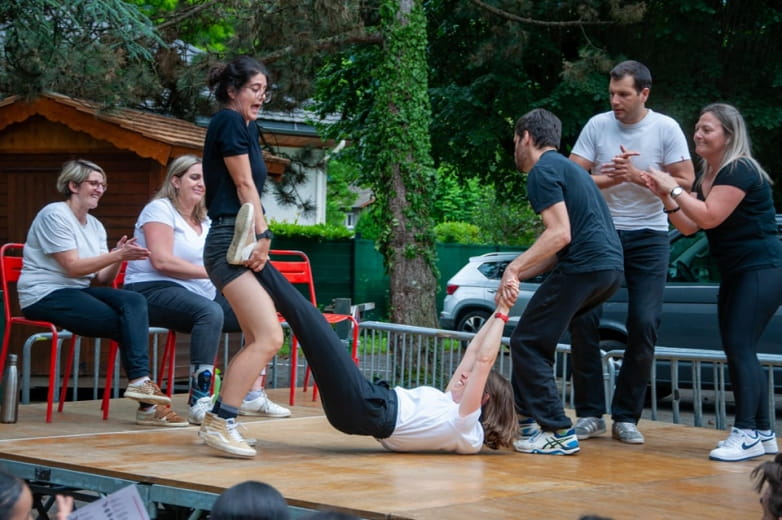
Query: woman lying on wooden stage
[475, 409]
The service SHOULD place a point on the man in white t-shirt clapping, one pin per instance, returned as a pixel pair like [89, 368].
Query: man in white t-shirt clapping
[615, 146]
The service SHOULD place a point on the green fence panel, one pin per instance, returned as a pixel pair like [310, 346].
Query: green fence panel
[371, 280]
[332, 265]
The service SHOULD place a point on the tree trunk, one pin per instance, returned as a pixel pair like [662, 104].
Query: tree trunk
[405, 178]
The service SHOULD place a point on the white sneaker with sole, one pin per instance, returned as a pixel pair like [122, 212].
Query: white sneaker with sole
[739, 445]
[587, 427]
[262, 405]
[222, 434]
[549, 443]
[768, 440]
[243, 241]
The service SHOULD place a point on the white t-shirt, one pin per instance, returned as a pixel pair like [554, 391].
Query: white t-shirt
[56, 229]
[188, 245]
[659, 140]
[428, 420]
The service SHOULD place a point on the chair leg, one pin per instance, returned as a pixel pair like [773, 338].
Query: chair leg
[113, 348]
[294, 368]
[52, 378]
[169, 353]
[67, 374]
[4, 351]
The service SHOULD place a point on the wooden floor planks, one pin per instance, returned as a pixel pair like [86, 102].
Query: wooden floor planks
[314, 466]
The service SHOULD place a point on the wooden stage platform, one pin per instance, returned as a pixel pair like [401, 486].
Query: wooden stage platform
[316, 467]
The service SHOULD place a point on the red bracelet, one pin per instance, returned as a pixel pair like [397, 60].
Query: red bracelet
[503, 317]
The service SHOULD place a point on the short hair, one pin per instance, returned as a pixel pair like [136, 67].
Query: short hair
[543, 126]
[234, 75]
[76, 171]
[250, 500]
[642, 77]
[177, 168]
[11, 488]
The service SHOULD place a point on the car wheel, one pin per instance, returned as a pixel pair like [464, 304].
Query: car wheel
[472, 320]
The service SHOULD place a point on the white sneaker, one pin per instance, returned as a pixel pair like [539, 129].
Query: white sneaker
[222, 434]
[262, 405]
[199, 409]
[738, 446]
[768, 440]
[587, 427]
[549, 443]
[243, 241]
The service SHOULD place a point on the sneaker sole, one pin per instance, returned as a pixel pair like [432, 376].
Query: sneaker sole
[219, 446]
[164, 424]
[585, 436]
[572, 451]
[738, 459]
[148, 399]
[244, 219]
[264, 414]
[628, 441]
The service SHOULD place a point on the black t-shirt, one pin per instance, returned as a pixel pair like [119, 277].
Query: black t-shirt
[594, 244]
[748, 238]
[229, 135]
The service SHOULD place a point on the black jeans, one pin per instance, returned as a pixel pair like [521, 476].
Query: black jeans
[175, 307]
[352, 404]
[646, 255]
[101, 312]
[559, 299]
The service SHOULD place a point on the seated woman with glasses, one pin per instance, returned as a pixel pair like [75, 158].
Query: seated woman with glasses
[66, 268]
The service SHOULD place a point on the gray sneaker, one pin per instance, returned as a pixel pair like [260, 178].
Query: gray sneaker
[587, 427]
[627, 432]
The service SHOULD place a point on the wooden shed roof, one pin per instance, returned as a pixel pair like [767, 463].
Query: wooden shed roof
[148, 135]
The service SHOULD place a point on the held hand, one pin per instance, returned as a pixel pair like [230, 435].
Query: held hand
[507, 292]
[659, 182]
[259, 255]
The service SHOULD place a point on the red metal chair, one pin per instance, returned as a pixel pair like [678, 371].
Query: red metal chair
[295, 267]
[11, 268]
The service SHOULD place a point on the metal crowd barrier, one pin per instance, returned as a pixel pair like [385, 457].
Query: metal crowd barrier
[700, 362]
[391, 351]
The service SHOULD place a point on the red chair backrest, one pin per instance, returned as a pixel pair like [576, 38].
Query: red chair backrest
[10, 269]
[296, 270]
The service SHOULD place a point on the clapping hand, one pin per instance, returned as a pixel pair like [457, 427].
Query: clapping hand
[130, 250]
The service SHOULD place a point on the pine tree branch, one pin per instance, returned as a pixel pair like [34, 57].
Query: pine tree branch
[350, 37]
[532, 21]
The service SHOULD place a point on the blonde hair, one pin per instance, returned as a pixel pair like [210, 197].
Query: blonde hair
[738, 146]
[76, 171]
[177, 168]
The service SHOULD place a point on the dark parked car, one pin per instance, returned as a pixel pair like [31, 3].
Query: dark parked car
[689, 318]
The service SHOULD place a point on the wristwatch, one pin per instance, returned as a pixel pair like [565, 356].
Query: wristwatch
[678, 190]
[266, 234]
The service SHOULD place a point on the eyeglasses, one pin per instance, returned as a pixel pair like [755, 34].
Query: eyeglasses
[97, 184]
[261, 91]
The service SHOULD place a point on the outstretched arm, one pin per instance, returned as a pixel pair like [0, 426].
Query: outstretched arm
[477, 362]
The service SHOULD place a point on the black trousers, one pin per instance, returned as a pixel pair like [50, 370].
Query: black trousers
[556, 302]
[352, 404]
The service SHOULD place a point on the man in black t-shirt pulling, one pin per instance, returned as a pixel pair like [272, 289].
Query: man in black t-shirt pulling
[581, 249]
